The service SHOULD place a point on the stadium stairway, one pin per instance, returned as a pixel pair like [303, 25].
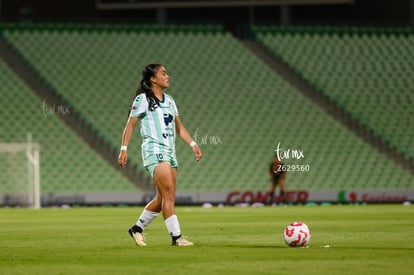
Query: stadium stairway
[330, 106]
[76, 121]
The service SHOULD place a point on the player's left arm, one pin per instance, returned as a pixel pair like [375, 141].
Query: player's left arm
[186, 137]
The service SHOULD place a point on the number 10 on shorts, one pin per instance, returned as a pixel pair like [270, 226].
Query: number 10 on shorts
[159, 156]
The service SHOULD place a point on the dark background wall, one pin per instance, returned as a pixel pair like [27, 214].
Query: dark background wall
[361, 12]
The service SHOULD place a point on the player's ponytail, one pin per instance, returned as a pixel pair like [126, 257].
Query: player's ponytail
[145, 86]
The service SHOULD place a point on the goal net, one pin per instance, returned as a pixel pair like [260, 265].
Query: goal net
[20, 175]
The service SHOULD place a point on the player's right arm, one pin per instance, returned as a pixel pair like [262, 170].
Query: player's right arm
[126, 136]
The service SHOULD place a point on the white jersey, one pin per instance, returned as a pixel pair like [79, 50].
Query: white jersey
[158, 126]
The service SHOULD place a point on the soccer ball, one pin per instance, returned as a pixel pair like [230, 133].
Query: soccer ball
[297, 234]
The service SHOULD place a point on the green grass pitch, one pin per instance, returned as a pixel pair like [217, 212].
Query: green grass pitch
[372, 239]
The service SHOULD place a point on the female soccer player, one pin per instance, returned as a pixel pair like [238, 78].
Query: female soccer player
[160, 123]
[277, 175]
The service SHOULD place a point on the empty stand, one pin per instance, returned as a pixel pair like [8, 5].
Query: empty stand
[366, 72]
[67, 163]
[237, 108]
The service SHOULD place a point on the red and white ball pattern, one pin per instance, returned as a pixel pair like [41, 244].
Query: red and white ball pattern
[297, 234]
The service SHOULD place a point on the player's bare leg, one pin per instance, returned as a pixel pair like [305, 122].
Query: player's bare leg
[165, 180]
[271, 193]
[282, 181]
[150, 212]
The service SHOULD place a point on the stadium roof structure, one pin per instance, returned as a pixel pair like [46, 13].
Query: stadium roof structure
[145, 4]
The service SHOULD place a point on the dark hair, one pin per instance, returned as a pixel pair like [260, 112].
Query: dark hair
[145, 86]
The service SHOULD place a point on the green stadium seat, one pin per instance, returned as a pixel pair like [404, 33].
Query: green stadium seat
[375, 66]
[223, 91]
[63, 154]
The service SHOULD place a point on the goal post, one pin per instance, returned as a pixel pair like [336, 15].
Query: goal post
[20, 174]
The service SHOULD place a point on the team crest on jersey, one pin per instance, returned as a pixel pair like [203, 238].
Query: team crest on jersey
[168, 118]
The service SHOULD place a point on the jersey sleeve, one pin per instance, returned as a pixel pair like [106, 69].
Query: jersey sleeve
[139, 106]
[174, 106]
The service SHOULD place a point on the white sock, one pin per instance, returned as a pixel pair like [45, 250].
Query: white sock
[146, 218]
[173, 226]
